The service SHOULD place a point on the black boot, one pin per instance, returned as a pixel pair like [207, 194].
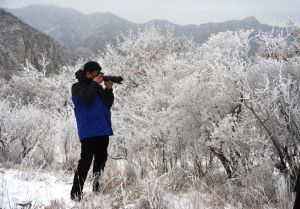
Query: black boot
[76, 196]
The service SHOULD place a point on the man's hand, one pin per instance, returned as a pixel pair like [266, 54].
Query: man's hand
[108, 84]
[98, 79]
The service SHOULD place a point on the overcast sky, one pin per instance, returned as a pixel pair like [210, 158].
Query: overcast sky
[274, 12]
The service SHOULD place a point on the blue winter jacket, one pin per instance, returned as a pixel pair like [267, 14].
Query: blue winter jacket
[92, 106]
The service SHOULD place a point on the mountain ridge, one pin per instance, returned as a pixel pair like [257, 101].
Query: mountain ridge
[86, 34]
[20, 42]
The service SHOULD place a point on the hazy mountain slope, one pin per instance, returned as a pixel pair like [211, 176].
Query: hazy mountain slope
[204, 31]
[84, 34]
[104, 27]
[72, 28]
[19, 41]
[201, 33]
[65, 25]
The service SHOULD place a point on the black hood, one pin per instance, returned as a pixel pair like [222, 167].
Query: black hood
[80, 76]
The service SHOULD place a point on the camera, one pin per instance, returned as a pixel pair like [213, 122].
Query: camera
[114, 79]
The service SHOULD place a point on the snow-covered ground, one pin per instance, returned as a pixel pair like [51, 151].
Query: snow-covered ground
[32, 187]
[24, 189]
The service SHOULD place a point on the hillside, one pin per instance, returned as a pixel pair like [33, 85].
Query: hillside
[20, 42]
[90, 32]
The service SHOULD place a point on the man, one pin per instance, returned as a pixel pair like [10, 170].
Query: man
[92, 106]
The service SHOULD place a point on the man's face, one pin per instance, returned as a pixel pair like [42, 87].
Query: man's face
[93, 74]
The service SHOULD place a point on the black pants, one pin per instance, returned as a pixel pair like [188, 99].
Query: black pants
[297, 201]
[94, 147]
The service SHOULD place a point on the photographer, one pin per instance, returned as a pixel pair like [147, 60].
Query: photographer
[92, 106]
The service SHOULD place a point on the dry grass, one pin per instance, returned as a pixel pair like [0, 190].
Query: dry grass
[260, 190]
[122, 188]
[55, 205]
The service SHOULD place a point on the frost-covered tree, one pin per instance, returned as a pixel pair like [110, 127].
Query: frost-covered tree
[271, 93]
[205, 109]
[36, 121]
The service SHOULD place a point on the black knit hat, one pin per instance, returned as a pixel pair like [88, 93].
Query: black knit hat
[91, 66]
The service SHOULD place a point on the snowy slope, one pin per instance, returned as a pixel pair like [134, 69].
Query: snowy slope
[35, 188]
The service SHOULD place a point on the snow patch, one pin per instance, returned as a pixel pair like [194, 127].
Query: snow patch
[36, 188]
